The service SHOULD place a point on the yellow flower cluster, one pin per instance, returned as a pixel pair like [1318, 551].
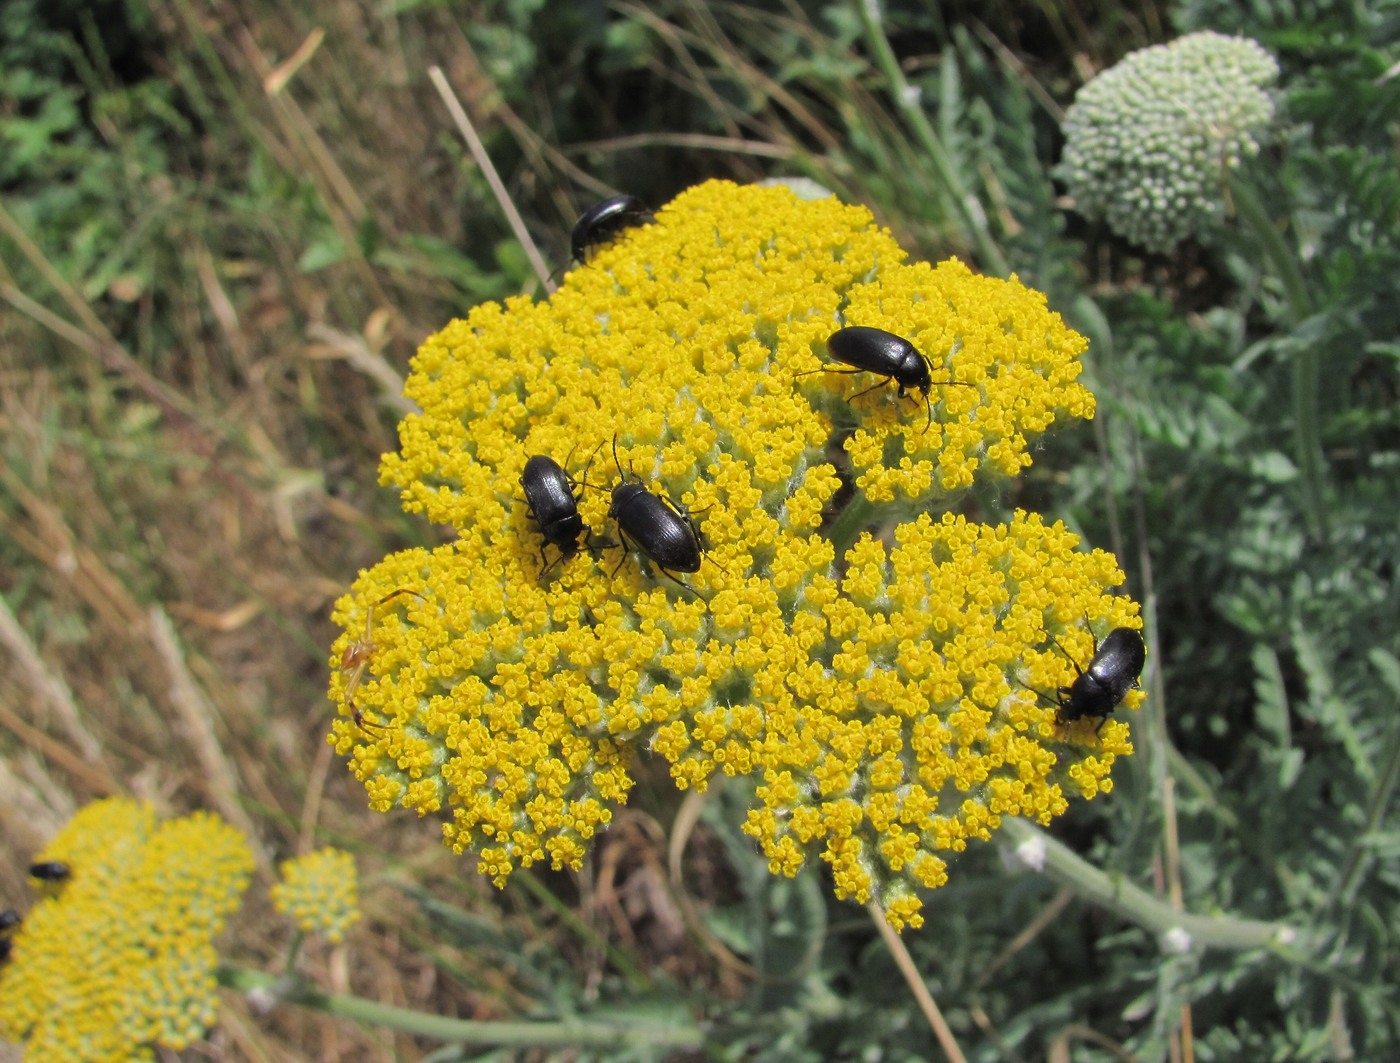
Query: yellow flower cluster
[119, 958]
[876, 694]
[320, 892]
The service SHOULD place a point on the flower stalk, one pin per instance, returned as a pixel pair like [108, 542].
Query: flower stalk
[1036, 849]
[1306, 367]
[632, 1033]
[906, 98]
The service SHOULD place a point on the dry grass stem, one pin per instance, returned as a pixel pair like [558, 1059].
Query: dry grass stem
[478, 150]
[371, 363]
[50, 688]
[694, 141]
[197, 714]
[30, 813]
[932, 1015]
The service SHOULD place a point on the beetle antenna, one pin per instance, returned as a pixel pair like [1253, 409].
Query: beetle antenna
[618, 463]
[1089, 624]
[1041, 694]
[590, 459]
[583, 480]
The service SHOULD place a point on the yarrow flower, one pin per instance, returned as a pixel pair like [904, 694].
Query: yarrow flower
[877, 695]
[320, 892]
[1149, 141]
[119, 958]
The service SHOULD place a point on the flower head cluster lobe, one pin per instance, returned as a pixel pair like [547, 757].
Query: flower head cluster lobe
[121, 958]
[319, 892]
[1149, 141]
[866, 694]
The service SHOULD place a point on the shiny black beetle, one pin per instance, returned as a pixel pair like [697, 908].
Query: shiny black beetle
[605, 221]
[653, 525]
[873, 350]
[1112, 672]
[9, 919]
[49, 871]
[549, 492]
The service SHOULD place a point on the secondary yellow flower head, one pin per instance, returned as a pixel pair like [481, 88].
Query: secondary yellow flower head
[120, 958]
[320, 892]
[874, 694]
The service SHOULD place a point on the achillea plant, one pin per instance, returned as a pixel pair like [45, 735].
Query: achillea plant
[876, 695]
[118, 959]
[320, 893]
[1149, 142]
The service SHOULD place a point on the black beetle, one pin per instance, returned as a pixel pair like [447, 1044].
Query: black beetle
[605, 221]
[873, 350]
[653, 525]
[9, 919]
[4, 950]
[49, 871]
[1112, 672]
[549, 492]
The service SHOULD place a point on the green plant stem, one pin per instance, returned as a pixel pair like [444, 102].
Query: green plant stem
[293, 951]
[1138, 906]
[1307, 436]
[636, 977]
[906, 99]
[1252, 213]
[849, 523]
[633, 1034]
[1359, 857]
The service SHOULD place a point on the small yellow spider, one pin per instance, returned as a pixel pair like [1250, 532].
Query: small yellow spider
[359, 653]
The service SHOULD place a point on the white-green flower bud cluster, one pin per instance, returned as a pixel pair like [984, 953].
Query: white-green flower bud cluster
[1149, 141]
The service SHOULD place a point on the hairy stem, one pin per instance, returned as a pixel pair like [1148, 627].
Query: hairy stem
[1307, 436]
[1037, 849]
[633, 1034]
[906, 99]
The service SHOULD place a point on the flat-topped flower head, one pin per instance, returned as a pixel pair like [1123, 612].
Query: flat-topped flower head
[121, 960]
[877, 696]
[320, 893]
[1148, 143]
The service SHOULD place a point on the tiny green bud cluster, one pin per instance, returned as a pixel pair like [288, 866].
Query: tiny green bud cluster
[1149, 141]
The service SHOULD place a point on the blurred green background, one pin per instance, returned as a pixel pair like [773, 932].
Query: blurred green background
[225, 225]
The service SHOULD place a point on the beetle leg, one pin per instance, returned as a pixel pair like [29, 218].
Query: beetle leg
[684, 586]
[546, 567]
[882, 382]
[626, 546]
